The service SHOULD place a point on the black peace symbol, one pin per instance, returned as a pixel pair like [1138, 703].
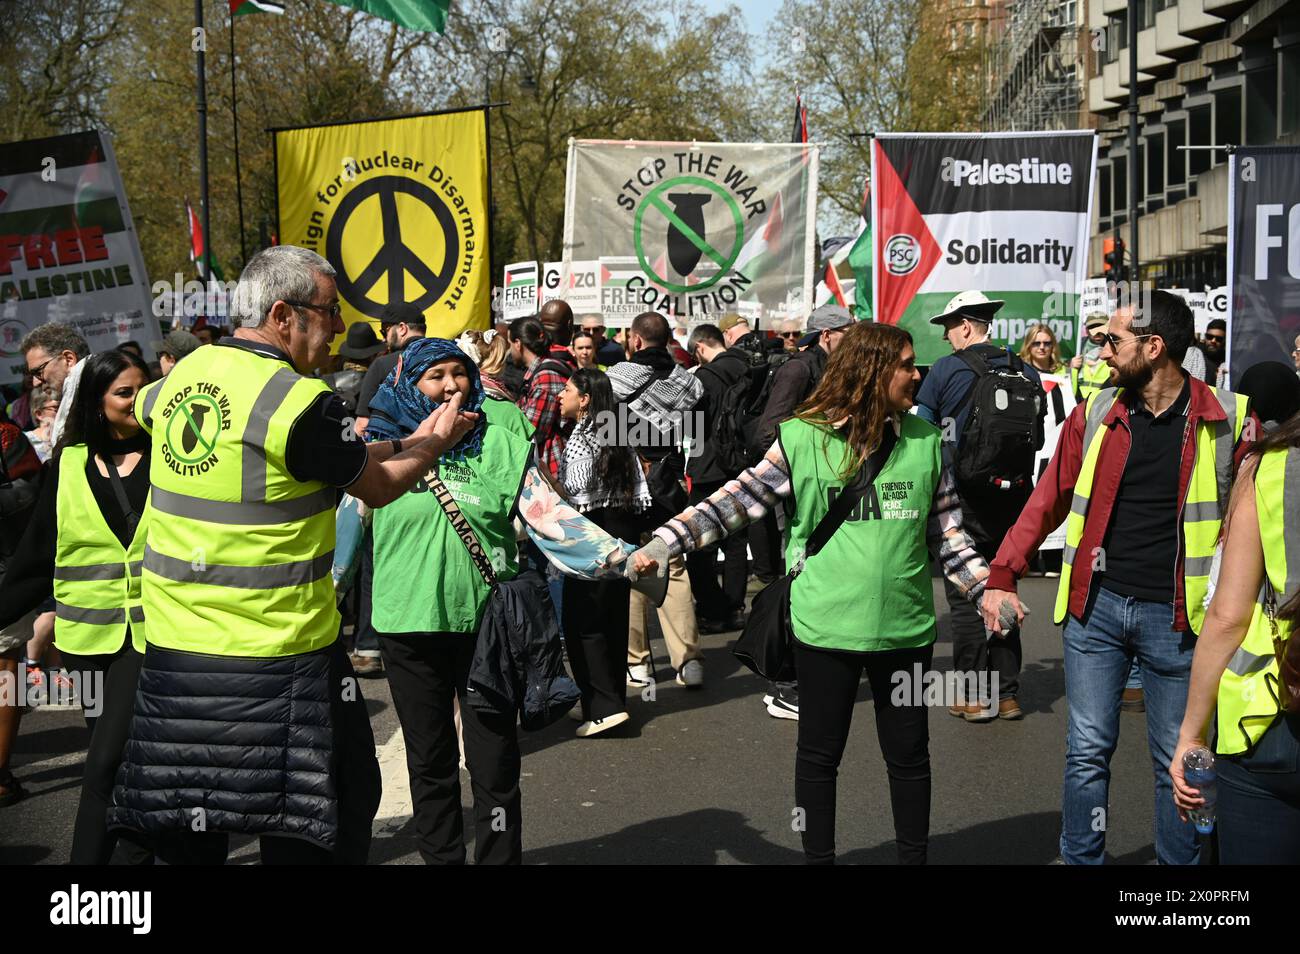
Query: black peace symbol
[394, 258]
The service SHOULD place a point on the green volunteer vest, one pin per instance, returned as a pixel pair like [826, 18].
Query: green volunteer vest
[1249, 690]
[869, 588]
[96, 579]
[508, 416]
[1203, 507]
[1095, 379]
[424, 580]
[239, 553]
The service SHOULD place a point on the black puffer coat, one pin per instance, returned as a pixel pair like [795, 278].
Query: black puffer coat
[244, 744]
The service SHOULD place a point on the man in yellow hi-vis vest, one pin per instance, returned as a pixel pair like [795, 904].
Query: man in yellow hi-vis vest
[1142, 472]
[248, 718]
[1088, 372]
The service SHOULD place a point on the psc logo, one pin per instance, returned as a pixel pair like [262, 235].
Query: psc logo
[902, 254]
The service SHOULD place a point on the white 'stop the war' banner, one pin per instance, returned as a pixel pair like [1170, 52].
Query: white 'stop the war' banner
[1005, 214]
[693, 230]
[68, 248]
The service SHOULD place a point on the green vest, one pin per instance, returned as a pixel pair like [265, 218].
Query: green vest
[96, 579]
[1203, 507]
[869, 588]
[507, 415]
[1249, 690]
[239, 555]
[1095, 378]
[424, 580]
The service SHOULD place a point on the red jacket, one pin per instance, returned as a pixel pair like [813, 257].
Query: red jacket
[1050, 502]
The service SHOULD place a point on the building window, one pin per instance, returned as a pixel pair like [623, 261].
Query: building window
[1176, 166]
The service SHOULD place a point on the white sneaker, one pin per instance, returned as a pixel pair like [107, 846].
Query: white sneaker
[640, 675]
[575, 713]
[597, 726]
[692, 674]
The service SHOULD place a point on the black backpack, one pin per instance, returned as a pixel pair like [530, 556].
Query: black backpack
[1004, 430]
[737, 414]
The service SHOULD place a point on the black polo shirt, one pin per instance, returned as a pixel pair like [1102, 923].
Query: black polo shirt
[322, 444]
[1141, 545]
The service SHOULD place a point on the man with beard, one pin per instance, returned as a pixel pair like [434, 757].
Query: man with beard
[1142, 473]
[1216, 342]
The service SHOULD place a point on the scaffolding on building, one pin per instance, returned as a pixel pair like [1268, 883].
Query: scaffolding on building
[1036, 70]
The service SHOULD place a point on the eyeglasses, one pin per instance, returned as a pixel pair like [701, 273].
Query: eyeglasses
[1040, 344]
[334, 311]
[792, 334]
[1115, 341]
[38, 373]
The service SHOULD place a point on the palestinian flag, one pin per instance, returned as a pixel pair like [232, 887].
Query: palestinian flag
[239, 8]
[833, 286]
[860, 255]
[198, 251]
[763, 248]
[422, 15]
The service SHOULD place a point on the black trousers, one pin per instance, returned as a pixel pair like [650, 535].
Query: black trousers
[828, 688]
[115, 676]
[972, 651]
[595, 635]
[426, 671]
[765, 542]
[713, 601]
[357, 786]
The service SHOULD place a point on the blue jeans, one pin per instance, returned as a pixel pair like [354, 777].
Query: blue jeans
[1098, 657]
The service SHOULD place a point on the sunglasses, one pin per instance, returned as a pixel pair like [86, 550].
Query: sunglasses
[792, 334]
[594, 330]
[1218, 338]
[1115, 341]
[1040, 344]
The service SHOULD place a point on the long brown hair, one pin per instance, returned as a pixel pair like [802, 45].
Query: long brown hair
[855, 386]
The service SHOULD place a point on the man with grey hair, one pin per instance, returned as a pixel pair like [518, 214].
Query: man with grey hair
[248, 716]
[55, 354]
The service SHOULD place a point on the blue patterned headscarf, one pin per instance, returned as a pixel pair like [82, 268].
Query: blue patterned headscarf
[399, 407]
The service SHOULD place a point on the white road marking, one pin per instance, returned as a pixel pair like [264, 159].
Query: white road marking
[395, 806]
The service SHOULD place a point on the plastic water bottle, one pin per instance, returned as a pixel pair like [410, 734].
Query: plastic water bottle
[1198, 770]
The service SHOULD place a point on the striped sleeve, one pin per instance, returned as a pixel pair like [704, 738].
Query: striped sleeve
[738, 503]
[959, 561]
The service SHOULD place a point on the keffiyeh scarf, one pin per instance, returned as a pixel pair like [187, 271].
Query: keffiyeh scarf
[579, 480]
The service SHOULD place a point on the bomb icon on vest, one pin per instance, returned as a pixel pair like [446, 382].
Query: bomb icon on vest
[190, 437]
[683, 253]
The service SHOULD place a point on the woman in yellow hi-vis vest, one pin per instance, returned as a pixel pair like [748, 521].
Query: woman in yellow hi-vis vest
[85, 543]
[1246, 662]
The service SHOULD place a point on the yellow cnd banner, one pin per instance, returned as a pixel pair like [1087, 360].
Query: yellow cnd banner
[399, 207]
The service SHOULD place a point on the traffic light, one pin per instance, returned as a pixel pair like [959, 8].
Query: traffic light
[1113, 256]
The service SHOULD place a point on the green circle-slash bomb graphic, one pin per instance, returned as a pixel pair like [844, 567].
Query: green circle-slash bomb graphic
[687, 239]
[192, 429]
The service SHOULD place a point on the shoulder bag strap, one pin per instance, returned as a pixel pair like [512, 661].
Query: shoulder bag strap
[128, 512]
[461, 525]
[828, 524]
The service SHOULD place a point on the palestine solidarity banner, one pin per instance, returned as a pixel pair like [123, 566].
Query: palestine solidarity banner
[399, 207]
[693, 230]
[1263, 256]
[68, 249]
[1004, 213]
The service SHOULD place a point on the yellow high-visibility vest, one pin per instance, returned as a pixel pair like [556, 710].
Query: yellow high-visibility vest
[1203, 508]
[96, 579]
[239, 556]
[1249, 690]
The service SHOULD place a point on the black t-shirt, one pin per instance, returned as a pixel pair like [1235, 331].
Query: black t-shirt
[1141, 544]
[322, 443]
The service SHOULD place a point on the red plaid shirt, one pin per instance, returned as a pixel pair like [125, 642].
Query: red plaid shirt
[541, 405]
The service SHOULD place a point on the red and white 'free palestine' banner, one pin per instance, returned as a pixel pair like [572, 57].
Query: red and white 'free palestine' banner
[1002, 213]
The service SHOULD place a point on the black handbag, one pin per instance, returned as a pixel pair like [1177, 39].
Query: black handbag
[765, 644]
